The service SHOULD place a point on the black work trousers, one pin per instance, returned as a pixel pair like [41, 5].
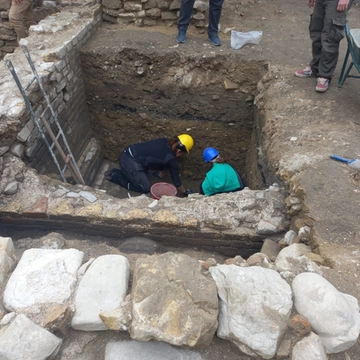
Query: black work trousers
[132, 175]
[327, 28]
[214, 15]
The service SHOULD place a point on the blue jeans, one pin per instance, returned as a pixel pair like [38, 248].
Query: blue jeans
[132, 175]
[214, 15]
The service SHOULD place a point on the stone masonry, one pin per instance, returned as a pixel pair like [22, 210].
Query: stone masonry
[58, 63]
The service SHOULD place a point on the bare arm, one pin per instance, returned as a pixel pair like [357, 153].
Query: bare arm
[342, 5]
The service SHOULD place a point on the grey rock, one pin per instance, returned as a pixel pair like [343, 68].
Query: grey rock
[3, 150]
[255, 306]
[19, 177]
[105, 282]
[17, 149]
[24, 340]
[11, 188]
[134, 350]
[309, 347]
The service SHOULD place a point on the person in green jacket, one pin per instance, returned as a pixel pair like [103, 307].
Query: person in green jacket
[222, 178]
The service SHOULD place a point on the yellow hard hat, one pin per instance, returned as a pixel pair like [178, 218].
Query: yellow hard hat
[187, 141]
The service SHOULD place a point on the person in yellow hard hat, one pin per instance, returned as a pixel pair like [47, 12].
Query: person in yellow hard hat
[138, 159]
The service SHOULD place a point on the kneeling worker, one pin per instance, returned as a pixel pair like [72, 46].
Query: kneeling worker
[222, 178]
[136, 161]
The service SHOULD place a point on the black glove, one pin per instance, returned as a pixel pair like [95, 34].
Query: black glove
[188, 192]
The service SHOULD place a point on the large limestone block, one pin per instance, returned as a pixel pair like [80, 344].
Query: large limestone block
[309, 347]
[42, 276]
[255, 306]
[135, 350]
[173, 301]
[334, 316]
[24, 340]
[7, 259]
[103, 288]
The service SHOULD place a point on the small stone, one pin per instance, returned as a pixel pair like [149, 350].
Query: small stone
[3, 150]
[17, 149]
[237, 260]
[316, 258]
[257, 258]
[19, 177]
[11, 188]
[229, 85]
[290, 236]
[300, 325]
[270, 248]
[284, 350]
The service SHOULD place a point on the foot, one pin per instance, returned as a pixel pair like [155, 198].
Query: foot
[181, 38]
[322, 84]
[108, 175]
[214, 39]
[307, 72]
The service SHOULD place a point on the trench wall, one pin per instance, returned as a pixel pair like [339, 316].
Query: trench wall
[59, 67]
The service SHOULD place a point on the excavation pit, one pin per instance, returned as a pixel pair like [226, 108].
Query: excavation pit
[113, 88]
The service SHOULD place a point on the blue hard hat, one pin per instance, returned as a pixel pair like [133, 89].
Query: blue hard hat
[209, 154]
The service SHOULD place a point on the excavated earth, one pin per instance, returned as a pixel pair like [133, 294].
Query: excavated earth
[299, 130]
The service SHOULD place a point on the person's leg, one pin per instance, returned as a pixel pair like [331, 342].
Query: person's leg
[29, 17]
[214, 19]
[316, 28]
[333, 32]
[16, 17]
[184, 19]
[135, 176]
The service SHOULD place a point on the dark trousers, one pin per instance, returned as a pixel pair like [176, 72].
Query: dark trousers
[132, 175]
[214, 15]
[327, 28]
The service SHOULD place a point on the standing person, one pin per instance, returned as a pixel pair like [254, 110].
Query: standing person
[21, 17]
[186, 9]
[327, 28]
[222, 177]
[136, 161]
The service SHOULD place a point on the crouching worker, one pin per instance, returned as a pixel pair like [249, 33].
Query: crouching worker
[222, 178]
[136, 161]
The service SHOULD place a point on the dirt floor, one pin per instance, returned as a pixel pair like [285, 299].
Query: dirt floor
[325, 123]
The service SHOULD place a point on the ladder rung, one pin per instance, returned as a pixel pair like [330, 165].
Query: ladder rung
[31, 81]
[46, 107]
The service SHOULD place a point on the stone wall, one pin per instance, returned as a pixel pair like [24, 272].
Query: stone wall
[152, 12]
[59, 67]
[8, 41]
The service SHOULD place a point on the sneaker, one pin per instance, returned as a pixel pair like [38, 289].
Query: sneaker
[181, 38]
[214, 39]
[322, 84]
[307, 72]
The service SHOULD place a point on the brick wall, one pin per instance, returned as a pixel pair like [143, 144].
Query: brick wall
[60, 71]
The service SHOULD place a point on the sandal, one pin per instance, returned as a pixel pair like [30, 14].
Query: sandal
[108, 174]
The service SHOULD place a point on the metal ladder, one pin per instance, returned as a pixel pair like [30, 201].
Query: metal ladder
[65, 153]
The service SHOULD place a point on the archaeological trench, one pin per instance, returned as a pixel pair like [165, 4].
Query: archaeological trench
[108, 94]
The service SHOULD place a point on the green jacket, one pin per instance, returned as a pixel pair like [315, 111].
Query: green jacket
[221, 178]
